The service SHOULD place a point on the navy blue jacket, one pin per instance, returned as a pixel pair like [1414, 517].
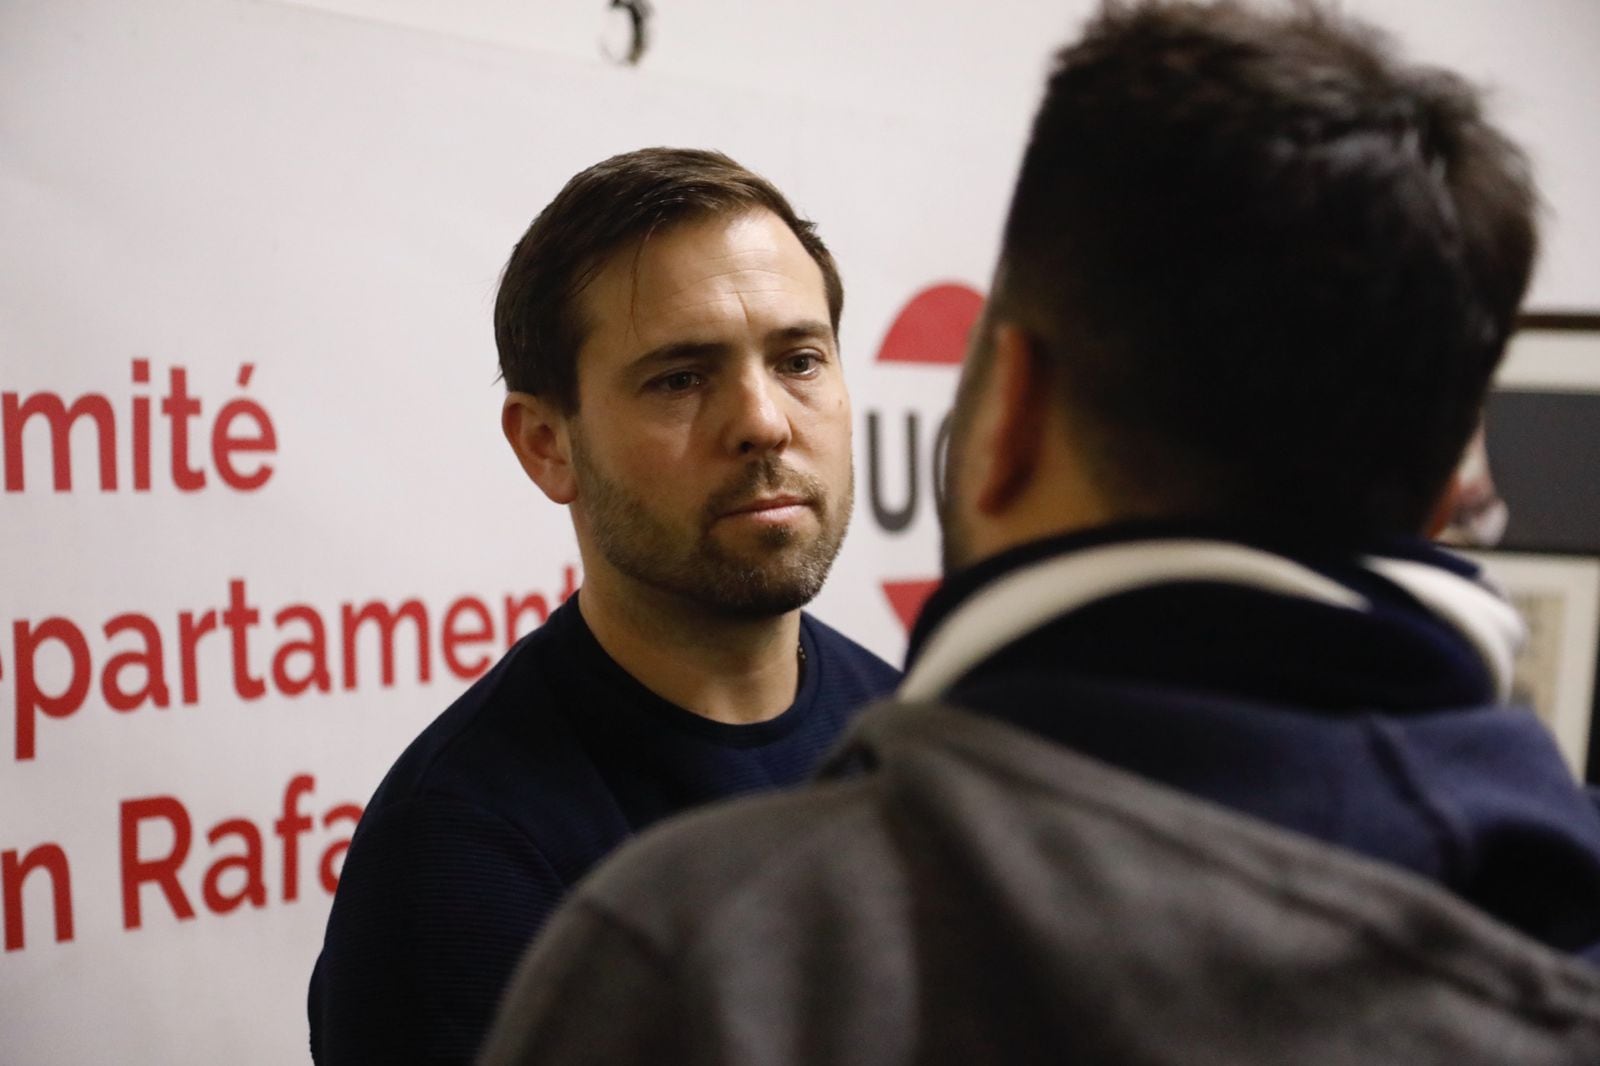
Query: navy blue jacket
[543, 767]
[1377, 729]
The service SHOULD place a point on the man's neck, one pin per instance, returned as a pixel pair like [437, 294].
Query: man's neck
[727, 669]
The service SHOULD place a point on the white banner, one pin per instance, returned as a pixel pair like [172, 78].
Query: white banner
[260, 524]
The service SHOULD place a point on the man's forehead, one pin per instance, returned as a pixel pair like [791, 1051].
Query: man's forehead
[699, 270]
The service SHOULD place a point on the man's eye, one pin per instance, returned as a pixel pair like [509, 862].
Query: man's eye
[677, 381]
[802, 363]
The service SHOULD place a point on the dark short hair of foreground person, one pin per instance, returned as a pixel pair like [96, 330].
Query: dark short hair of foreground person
[667, 330]
[1204, 753]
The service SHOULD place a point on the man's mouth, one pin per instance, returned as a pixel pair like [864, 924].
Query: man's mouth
[770, 503]
[770, 510]
[767, 494]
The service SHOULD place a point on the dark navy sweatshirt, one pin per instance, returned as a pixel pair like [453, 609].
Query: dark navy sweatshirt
[544, 766]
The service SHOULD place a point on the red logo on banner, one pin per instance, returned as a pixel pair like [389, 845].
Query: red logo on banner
[931, 330]
[933, 327]
[907, 598]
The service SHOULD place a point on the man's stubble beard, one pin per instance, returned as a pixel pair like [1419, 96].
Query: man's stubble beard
[781, 576]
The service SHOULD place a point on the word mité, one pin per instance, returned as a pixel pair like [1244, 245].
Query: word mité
[241, 435]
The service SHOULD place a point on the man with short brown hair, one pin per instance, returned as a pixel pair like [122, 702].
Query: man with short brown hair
[668, 335]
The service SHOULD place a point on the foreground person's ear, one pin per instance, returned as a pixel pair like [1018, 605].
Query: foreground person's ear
[1012, 420]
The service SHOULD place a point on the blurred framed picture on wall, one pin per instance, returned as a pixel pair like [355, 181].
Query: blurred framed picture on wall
[1528, 509]
[1558, 597]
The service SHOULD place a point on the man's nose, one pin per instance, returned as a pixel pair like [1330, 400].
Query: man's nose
[758, 419]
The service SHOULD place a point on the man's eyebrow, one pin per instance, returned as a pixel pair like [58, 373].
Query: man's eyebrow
[808, 330]
[801, 331]
[678, 350]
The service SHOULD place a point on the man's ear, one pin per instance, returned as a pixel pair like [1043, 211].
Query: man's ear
[1018, 400]
[1444, 508]
[540, 435]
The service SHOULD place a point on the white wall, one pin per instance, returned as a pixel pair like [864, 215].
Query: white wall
[202, 184]
[974, 70]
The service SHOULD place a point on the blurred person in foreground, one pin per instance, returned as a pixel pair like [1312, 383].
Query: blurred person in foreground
[1203, 753]
[668, 336]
